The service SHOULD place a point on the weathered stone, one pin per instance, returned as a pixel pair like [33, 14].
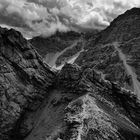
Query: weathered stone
[17, 85]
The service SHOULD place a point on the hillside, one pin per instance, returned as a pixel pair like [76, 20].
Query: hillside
[115, 51]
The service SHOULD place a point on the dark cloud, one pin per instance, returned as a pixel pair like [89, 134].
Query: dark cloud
[13, 19]
[35, 17]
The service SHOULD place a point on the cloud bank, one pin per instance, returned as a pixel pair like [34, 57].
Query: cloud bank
[44, 17]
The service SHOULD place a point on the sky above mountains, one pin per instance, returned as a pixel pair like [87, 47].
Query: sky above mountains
[35, 17]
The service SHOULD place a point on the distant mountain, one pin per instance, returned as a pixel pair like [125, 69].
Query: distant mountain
[61, 47]
[50, 48]
[56, 43]
[96, 96]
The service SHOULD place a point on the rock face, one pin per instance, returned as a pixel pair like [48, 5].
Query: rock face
[83, 106]
[24, 79]
[115, 51]
[91, 100]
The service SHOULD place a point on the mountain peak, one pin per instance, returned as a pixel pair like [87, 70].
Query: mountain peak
[131, 12]
[135, 11]
[123, 28]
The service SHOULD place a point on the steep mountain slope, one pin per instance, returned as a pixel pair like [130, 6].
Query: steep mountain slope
[61, 47]
[113, 62]
[82, 106]
[86, 102]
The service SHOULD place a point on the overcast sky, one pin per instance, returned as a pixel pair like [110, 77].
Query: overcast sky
[35, 17]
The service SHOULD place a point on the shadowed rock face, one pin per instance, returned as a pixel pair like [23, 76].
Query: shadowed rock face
[82, 106]
[83, 101]
[24, 79]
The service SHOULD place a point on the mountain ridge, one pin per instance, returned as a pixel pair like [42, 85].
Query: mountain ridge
[102, 55]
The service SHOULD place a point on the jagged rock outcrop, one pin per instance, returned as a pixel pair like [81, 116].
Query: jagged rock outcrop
[24, 79]
[55, 43]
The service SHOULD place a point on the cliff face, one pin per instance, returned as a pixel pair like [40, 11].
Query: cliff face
[94, 100]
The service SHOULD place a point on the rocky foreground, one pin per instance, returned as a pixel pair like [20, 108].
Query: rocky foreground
[94, 100]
